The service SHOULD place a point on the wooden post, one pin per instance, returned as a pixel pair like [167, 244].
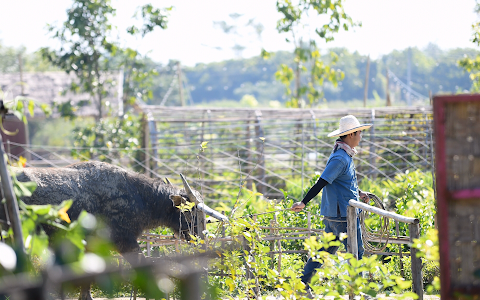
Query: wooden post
[365, 92]
[373, 158]
[148, 246]
[425, 149]
[20, 68]
[309, 224]
[11, 201]
[314, 123]
[400, 250]
[272, 242]
[416, 262]
[202, 139]
[26, 154]
[249, 155]
[387, 91]
[352, 245]
[279, 247]
[248, 272]
[201, 224]
[260, 148]
[145, 144]
[303, 153]
[279, 265]
[180, 86]
[212, 166]
[152, 129]
[297, 83]
[190, 287]
[223, 233]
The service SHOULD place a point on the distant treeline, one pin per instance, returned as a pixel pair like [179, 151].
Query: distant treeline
[431, 69]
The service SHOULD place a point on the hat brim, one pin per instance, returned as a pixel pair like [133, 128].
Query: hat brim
[340, 133]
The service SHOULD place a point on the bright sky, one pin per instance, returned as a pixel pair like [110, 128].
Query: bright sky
[192, 38]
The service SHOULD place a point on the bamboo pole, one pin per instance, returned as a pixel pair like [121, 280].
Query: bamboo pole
[309, 224]
[272, 243]
[365, 92]
[383, 213]
[261, 187]
[387, 90]
[416, 262]
[180, 84]
[148, 246]
[279, 265]
[400, 251]
[352, 231]
[145, 144]
[11, 201]
[352, 244]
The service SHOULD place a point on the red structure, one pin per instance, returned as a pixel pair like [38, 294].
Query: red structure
[457, 138]
[13, 124]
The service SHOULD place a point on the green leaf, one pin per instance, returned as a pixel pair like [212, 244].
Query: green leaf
[40, 209]
[410, 295]
[24, 189]
[265, 54]
[31, 107]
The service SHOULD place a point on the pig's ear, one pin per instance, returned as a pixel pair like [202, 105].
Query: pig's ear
[177, 200]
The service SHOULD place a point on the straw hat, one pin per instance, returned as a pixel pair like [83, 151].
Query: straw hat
[348, 124]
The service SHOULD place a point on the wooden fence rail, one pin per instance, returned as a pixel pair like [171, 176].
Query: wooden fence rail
[414, 234]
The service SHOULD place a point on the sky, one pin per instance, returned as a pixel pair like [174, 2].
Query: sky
[192, 37]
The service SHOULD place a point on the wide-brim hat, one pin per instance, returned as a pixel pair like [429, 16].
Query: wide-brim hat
[348, 124]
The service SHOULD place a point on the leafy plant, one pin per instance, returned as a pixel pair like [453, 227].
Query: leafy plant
[472, 65]
[108, 139]
[429, 250]
[306, 53]
[85, 48]
[88, 51]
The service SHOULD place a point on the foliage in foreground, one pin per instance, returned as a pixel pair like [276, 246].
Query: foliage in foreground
[250, 270]
[247, 267]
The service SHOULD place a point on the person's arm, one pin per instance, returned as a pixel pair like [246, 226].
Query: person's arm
[333, 169]
[321, 183]
[316, 188]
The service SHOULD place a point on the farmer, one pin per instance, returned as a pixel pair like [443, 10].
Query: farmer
[340, 183]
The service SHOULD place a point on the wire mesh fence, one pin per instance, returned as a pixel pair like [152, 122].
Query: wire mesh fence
[266, 150]
[274, 147]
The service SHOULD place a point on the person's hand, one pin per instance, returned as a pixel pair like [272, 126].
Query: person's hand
[297, 206]
[364, 196]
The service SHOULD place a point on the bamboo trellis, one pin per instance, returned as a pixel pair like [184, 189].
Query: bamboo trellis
[264, 148]
[272, 147]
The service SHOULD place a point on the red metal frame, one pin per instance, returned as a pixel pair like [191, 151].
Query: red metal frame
[443, 194]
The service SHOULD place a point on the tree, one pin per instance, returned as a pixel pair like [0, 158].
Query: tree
[139, 72]
[306, 52]
[472, 65]
[86, 49]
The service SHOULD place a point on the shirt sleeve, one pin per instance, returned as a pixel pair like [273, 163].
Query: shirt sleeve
[314, 190]
[334, 168]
